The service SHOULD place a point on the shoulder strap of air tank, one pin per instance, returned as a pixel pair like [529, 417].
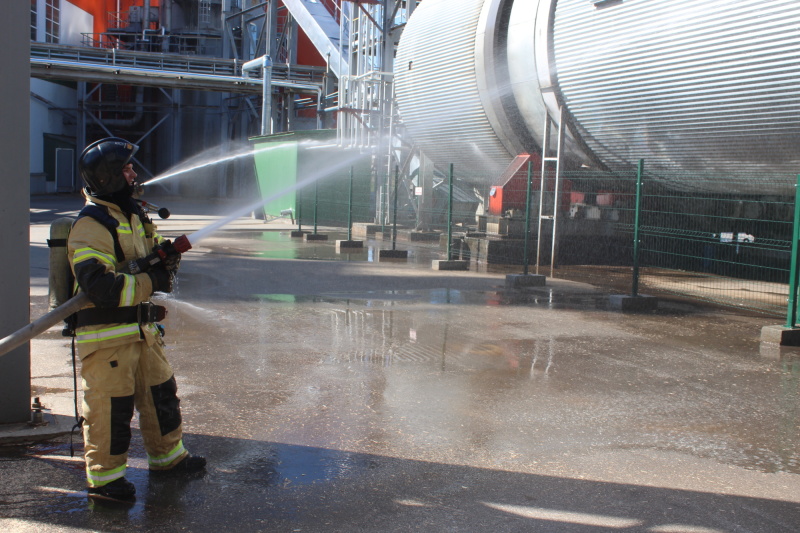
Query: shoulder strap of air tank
[100, 214]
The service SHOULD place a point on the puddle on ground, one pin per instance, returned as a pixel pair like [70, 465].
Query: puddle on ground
[542, 298]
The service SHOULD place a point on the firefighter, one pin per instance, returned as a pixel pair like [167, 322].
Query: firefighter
[123, 364]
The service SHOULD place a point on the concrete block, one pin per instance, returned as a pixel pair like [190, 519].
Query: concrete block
[298, 234]
[781, 335]
[517, 281]
[776, 352]
[625, 302]
[349, 246]
[423, 236]
[450, 265]
[315, 237]
[393, 255]
[55, 426]
[361, 229]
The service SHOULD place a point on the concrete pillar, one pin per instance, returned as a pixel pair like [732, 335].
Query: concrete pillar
[15, 367]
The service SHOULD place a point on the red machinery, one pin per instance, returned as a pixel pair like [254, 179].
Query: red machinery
[513, 188]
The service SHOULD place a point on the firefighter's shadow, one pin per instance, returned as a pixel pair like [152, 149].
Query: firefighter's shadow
[268, 486]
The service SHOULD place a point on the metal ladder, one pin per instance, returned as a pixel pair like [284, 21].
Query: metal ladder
[548, 162]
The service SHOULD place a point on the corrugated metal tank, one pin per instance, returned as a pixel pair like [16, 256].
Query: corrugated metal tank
[437, 88]
[700, 88]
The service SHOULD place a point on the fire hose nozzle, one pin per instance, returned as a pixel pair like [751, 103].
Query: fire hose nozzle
[182, 244]
[168, 252]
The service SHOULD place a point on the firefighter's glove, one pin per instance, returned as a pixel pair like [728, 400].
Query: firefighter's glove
[170, 257]
[136, 266]
[162, 279]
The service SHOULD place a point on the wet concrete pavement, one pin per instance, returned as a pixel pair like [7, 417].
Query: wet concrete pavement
[335, 393]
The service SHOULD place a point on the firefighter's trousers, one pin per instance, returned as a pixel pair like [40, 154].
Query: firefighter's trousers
[114, 381]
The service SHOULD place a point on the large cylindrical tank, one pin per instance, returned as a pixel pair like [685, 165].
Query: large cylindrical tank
[699, 89]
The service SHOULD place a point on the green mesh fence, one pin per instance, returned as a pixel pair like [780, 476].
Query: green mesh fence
[330, 202]
[706, 238]
[730, 249]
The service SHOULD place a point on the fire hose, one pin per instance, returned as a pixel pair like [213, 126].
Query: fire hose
[162, 253]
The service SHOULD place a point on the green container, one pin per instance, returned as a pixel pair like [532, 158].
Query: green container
[293, 162]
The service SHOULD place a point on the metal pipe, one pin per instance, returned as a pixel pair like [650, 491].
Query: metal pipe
[171, 74]
[116, 69]
[265, 64]
[146, 15]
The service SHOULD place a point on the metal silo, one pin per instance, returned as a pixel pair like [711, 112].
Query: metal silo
[438, 93]
[707, 88]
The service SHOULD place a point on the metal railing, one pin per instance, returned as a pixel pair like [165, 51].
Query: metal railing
[164, 62]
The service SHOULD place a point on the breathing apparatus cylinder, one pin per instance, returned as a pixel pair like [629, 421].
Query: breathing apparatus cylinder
[60, 279]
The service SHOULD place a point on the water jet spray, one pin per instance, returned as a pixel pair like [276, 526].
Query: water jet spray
[160, 253]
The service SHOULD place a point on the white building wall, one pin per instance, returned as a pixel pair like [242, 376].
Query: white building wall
[74, 22]
[44, 120]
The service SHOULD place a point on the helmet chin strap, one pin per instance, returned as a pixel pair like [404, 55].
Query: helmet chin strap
[122, 198]
[124, 193]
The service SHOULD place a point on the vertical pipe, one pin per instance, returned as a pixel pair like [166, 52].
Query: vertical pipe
[350, 209]
[145, 18]
[80, 132]
[266, 97]
[394, 210]
[635, 283]
[545, 155]
[450, 216]
[791, 312]
[528, 218]
[316, 197]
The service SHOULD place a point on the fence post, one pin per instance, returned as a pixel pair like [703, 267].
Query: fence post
[299, 199]
[635, 283]
[527, 218]
[316, 185]
[394, 209]
[791, 312]
[350, 209]
[450, 217]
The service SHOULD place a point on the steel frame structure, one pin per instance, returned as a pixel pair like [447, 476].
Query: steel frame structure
[368, 34]
[366, 112]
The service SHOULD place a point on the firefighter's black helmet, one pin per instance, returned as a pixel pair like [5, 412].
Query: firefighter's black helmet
[101, 165]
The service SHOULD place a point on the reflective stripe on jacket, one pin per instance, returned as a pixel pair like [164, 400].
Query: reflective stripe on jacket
[94, 263]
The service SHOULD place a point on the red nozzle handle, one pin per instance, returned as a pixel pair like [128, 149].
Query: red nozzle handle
[182, 244]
